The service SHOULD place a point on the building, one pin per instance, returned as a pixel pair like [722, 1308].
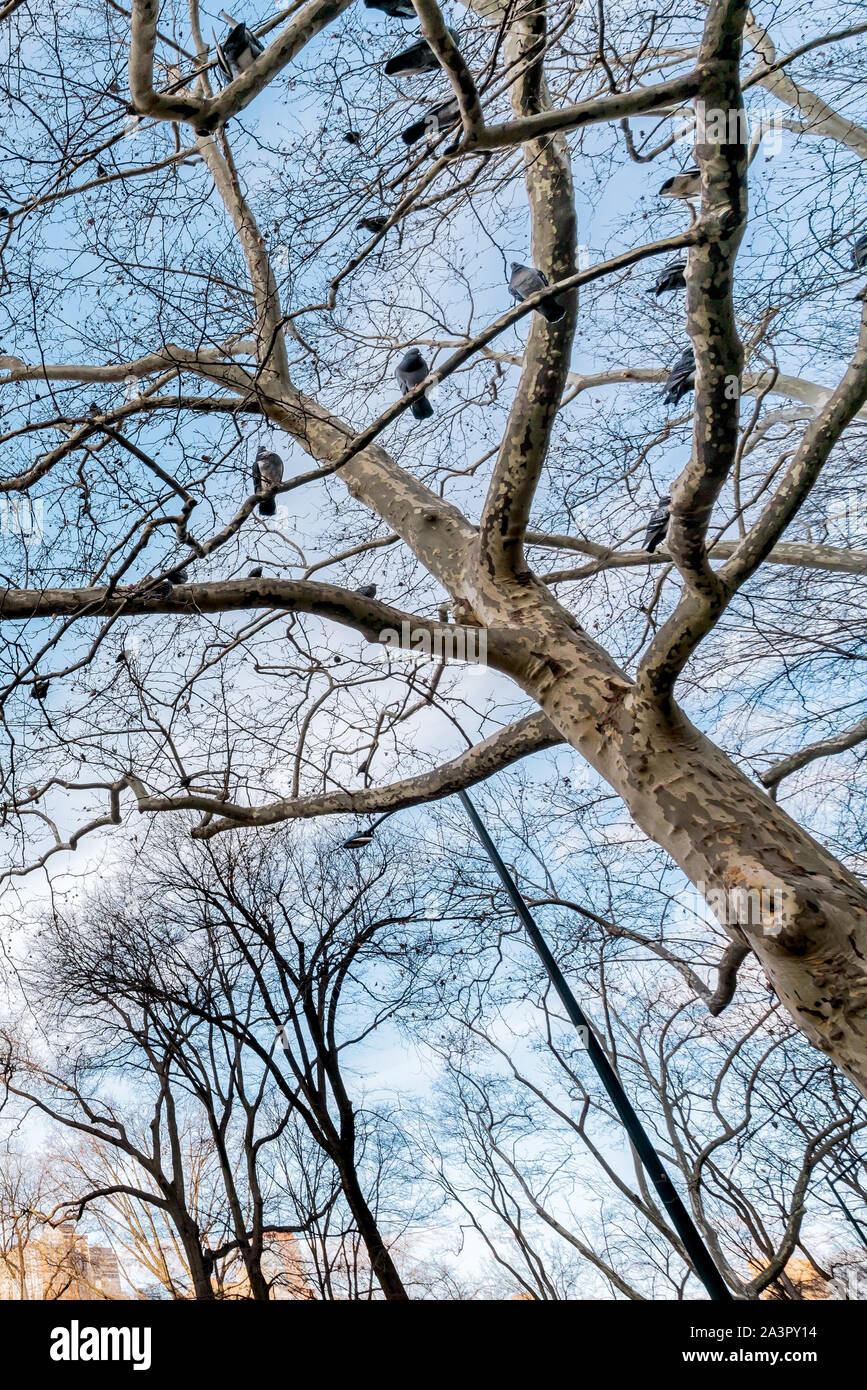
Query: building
[59, 1264]
[281, 1266]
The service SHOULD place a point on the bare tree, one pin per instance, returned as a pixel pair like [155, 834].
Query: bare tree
[180, 266]
[523, 1141]
[233, 978]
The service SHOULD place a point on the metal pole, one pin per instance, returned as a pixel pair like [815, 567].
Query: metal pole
[680, 1217]
[850, 1216]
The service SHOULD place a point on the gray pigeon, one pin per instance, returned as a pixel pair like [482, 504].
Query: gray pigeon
[681, 378]
[438, 118]
[685, 185]
[39, 690]
[367, 591]
[372, 224]
[418, 58]
[859, 253]
[395, 9]
[239, 50]
[657, 524]
[164, 589]
[180, 576]
[267, 472]
[410, 371]
[672, 277]
[524, 281]
[255, 573]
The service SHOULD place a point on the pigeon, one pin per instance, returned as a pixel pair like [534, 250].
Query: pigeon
[438, 118]
[418, 58]
[681, 378]
[239, 50]
[180, 576]
[685, 185]
[410, 371]
[371, 224]
[94, 410]
[164, 589]
[367, 591]
[267, 472]
[670, 278]
[39, 690]
[395, 9]
[859, 253]
[352, 137]
[657, 524]
[255, 573]
[524, 281]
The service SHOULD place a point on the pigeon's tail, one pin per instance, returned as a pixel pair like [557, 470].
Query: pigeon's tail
[399, 67]
[268, 507]
[551, 309]
[422, 408]
[414, 132]
[677, 390]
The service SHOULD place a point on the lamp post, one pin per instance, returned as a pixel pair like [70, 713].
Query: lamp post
[683, 1223]
[850, 1217]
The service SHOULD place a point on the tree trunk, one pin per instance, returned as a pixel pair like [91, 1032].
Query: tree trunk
[199, 1273]
[798, 908]
[381, 1262]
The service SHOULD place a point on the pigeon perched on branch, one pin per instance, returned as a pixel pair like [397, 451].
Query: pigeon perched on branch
[672, 277]
[438, 119]
[410, 371]
[239, 49]
[859, 253]
[395, 9]
[685, 185]
[657, 524]
[681, 378]
[524, 281]
[372, 224]
[39, 690]
[418, 58]
[367, 591]
[255, 573]
[267, 472]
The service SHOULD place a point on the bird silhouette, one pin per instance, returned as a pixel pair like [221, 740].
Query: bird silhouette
[418, 58]
[657, 524]
[267, 472]
[239, 49]
[410, 371]
[372, 224]
[39, 690]
[672, 277]
[526, 280]
[367, 591]
[395, 9]
[437, 119]
[859, 253]
[684, 185]
[681, 378]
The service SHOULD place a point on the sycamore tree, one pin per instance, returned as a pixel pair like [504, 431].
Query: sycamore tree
[183, 280]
